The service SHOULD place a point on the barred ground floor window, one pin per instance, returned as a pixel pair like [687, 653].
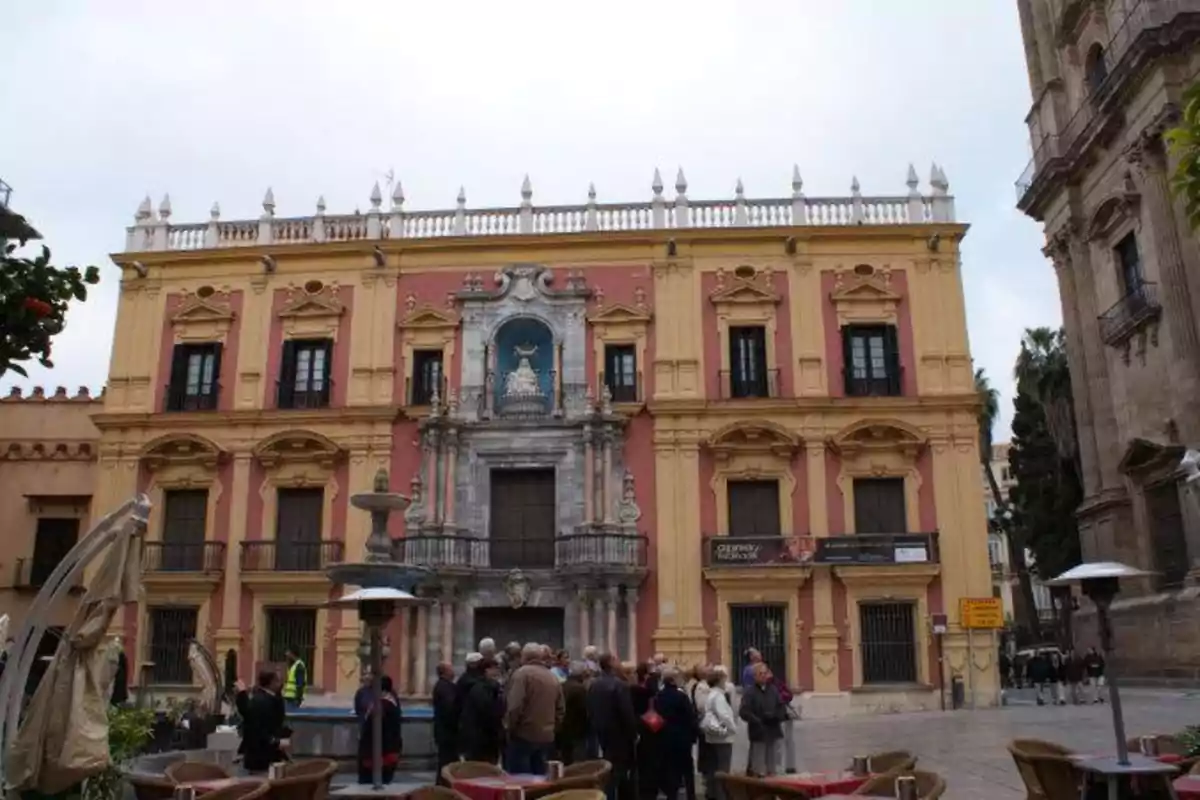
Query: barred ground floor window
[763, 627]
[888, 642]
[171, 630]
[292, 629]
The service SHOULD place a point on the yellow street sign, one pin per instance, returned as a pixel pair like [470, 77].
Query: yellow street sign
[981, 612]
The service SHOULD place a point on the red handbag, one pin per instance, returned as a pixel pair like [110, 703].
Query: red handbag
[652, 719]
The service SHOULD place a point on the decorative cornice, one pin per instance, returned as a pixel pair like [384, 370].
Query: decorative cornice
[427, 317]
[219, 420]
[753, 436]
[298, 446]
[878, 434]
[745, 290]
[317, 301]
[175, 449]
[38, 395]
[47, 451]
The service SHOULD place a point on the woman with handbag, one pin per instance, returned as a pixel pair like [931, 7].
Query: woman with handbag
[718, 726]
[678, 736]
[789, 742]
[649, 771]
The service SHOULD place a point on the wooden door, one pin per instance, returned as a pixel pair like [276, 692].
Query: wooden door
[298, 533]
[185, 515]
[523, 519]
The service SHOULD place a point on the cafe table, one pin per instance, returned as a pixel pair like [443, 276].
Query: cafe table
[204, 787]
[1108, 770]
[493, 787]
[822, 784]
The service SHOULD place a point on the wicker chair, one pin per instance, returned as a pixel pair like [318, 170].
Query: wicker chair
[576, 794]
[742, 787]
[598, 768]
[930, 785]
[435, 793]
[249, 789]
[465, 770]
[1046, 768]
[304, 780]
[891, 761]
[582, 783]
[192, 771]
[151, 787]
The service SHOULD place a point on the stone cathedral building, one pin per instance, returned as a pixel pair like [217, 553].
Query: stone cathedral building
[678, 425]
[1107, 80]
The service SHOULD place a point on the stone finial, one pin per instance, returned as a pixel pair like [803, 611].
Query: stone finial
[376, 197]
[526, 192]
[639, 297]
[268, 203]
[605, 400]
[60, 393]
[381, 480]
[657, 184]
[144, 210]
[589, 400]
[410, 303]
[943, 183]
[937, 179]
[214, 213]
[739, 191]
[38, 393]
[462, 197]
[15, 392]
[398, 196]
[452, 403]
[797, 182]
[591, 193]
[855, 188]
[164, 208]
[84, 393]
[598, 296]
[321, 205]
[912, 181]
[680, 183]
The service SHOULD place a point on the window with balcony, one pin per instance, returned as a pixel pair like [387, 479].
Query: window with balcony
[195, 372]
[748, 374]
[304, 373]
[1095, 69]
[888, 639]
[426, 377]
[53, 540]
[871, 360]
[754, 508]
[185, 517]
[171, 630]
[879, 505]
[298, 524]
[1129, 262]
[620, 372]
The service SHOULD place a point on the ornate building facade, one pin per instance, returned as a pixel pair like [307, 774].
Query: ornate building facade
[677, 426]
[1107, 80]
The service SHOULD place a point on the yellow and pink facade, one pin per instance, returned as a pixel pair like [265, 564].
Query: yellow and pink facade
[679, 426]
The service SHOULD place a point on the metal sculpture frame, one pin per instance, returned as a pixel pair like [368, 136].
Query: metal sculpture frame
[129, 519]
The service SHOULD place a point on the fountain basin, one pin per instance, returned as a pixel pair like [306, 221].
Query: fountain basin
[381, 574]
[379, 501]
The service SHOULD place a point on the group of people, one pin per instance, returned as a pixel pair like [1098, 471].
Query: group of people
[1059, 677]
[655, 723]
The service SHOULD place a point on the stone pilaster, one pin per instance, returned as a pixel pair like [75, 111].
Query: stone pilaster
[631, 601]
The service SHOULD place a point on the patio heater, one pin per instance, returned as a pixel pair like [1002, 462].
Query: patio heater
[1100, 581]
[385, 586]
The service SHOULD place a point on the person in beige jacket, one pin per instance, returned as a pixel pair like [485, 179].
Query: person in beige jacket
[534, 709]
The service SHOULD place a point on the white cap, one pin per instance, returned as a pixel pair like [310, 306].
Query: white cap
[474, 658]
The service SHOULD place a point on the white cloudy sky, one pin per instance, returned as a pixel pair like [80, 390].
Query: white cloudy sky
[103, 103]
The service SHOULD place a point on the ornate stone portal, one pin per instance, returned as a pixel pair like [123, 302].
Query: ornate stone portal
[521, 404]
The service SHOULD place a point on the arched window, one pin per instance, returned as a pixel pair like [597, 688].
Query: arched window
[1095, 69]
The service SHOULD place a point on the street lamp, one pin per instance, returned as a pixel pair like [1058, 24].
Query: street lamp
[1100, 581]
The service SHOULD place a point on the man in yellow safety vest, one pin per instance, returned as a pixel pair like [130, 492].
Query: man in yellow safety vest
[297, 680]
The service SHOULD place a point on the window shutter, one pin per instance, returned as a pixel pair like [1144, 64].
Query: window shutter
[216, 371]
[847, 361]
[287, 375]
[178, 379]
[891, 345]
[327, 382]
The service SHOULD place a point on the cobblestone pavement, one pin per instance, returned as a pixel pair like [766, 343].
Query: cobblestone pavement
[968, 748]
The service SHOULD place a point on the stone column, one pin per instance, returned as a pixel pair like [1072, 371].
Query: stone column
[556, 380]
[589, 477]
[598, 637]
[431, 482]
[631, 599]
[403, 672]
[421, 641]
[448, 626]
[450, 482]
[614, 597]
[581, 599]
[607, 477]
[1149, 161]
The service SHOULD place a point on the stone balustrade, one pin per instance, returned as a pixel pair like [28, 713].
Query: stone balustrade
[152, 232]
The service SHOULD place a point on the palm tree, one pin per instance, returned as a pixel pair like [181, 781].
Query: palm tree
[1024, 612]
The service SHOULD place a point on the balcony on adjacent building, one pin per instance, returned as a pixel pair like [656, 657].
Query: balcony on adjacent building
[1139, 36]
[591, 550]
[186, 557]
[268, 555]
[1136, 309]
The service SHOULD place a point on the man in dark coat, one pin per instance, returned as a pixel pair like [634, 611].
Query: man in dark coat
[612, 721]
[572, 736]
[392, 742]
[764, 712]
[481, 726]
[264, 729]
[677, 737]
[445, 718]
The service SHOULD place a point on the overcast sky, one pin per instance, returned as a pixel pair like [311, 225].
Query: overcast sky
[103, 103]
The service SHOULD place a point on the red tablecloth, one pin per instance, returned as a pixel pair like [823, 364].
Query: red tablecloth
[492, 787]
[1188, 787]
[822, 784]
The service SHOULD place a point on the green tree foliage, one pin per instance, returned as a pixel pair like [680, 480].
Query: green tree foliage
[129, 731]
[33, 304]
[1184, 141]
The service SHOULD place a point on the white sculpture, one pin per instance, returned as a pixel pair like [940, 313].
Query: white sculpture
[1190, 464]
[522, 381]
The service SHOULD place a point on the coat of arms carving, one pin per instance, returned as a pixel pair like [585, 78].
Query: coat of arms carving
[516, 586]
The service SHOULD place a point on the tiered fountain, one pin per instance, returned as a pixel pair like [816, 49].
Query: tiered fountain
[384, 586]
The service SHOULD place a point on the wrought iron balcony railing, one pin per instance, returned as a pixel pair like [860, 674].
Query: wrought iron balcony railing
[183, 556]
[735, 385]
[290, 556]
[178, 398]
[1138, 307]
[623, 392]
[574, 550]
